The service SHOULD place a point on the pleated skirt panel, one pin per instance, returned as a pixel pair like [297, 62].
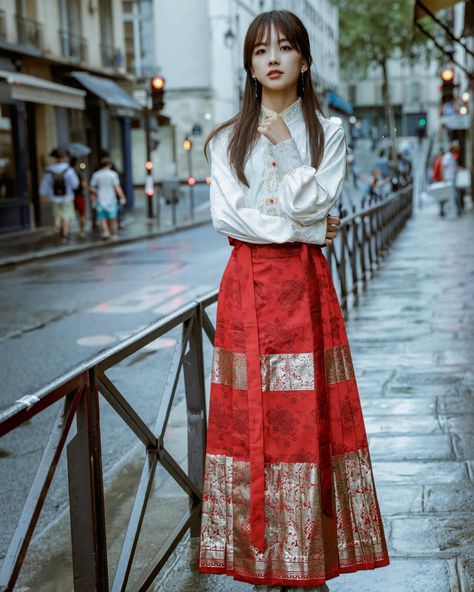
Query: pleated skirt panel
[289, 495]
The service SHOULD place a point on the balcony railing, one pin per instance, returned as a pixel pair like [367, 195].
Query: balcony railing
[29, 32]
[354, 257]
[111, 57]
[73, 47]
[3, 28]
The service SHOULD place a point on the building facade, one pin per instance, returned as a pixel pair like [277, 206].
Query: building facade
[59, 65]
[414, 96]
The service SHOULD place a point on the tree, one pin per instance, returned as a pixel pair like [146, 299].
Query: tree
[371, 33]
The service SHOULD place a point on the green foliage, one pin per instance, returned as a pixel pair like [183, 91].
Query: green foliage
[372, 31]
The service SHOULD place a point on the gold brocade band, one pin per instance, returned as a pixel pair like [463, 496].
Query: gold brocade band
[282, 372]
[295, 521]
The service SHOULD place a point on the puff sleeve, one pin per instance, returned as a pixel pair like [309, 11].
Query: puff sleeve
[308, 194]
[231, 215]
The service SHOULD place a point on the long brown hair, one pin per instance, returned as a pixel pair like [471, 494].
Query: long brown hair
[245, 133]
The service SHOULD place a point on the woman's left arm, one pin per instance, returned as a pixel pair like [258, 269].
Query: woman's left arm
[308, 194]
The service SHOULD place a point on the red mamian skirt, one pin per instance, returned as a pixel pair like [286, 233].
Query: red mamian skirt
[289, 495]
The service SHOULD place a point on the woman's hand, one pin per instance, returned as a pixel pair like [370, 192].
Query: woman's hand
[331, 229]
[274, 128]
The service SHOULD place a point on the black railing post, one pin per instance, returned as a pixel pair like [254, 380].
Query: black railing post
[196, 410]
[86, 495]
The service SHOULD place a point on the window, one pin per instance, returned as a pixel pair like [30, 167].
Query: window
[7, 155]
[415, 91]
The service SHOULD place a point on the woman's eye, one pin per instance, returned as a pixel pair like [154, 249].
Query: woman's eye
[286, 46]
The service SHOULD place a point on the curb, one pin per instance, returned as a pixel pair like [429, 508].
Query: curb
[9, 263]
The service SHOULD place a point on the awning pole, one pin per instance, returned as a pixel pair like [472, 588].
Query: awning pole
[441, 48]
[444, 27]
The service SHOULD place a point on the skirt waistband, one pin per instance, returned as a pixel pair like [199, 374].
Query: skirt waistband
[274, 249]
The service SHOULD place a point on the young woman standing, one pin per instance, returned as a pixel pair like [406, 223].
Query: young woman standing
[289, 498]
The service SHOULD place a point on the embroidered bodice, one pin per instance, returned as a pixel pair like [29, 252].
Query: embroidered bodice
[288, 200]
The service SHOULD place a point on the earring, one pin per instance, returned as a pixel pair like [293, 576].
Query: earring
[256, 86]
[302, 81]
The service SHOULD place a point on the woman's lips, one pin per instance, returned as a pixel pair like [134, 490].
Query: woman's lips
[275, 75]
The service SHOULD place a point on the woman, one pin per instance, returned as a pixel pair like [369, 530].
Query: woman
[289, 500]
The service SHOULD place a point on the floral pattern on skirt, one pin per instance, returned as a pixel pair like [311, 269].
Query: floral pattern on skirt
[289, 496]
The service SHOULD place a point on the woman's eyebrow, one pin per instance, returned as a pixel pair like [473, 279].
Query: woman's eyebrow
[279, 41]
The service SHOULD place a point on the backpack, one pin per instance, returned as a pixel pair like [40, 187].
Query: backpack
[59, 182]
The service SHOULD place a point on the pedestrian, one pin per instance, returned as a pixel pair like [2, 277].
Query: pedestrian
[436, 177]
[58, 185]
[105, 186]
[374, 138]
[288, 497]
[104, 153]
[80, 198]
[352, 166]
[449, 168]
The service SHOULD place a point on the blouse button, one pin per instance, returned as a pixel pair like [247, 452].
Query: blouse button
[274, 163]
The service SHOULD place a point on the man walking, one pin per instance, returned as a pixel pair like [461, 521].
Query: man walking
[58, 185]
[105, 186]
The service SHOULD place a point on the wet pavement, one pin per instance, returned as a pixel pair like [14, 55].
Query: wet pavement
[412, 342]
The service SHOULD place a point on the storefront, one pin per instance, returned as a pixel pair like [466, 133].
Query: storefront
[21, 96]
[110, 111]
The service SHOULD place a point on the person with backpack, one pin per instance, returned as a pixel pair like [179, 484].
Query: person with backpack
[58, 185]
[105, 187]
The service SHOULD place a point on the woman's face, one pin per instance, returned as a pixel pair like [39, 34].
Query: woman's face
[277, 54]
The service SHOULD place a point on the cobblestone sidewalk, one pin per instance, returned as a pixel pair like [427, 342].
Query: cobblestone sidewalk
[412, 341]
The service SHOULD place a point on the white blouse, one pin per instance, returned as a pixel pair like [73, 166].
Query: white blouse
[287, 200]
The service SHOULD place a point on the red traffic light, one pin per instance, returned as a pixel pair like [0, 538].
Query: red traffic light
[158, 82]
[447, 74]
[157, 90]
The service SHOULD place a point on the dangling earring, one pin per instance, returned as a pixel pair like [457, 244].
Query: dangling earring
[256, 86]
[302, 81]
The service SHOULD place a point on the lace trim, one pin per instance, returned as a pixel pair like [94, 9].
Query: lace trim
[291, 113]
[286, 154]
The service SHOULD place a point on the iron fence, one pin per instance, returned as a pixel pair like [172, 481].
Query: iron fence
[362, 242]
[3, 26]
[73, 46]
[111, 57]
[29, 32]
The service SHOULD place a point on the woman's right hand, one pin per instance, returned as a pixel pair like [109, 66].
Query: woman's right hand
[332, 229]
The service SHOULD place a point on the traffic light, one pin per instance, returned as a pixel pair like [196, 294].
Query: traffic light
[157, 87]
[447, 87]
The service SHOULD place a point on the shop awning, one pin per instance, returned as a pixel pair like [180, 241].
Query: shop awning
[24, 87]
[110, 92]
[339, 103]
[432, 5]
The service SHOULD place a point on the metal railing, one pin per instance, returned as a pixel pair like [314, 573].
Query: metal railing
[111, 57]
[73, 46]
[362, 242]
[29, 32]
[3, 26]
